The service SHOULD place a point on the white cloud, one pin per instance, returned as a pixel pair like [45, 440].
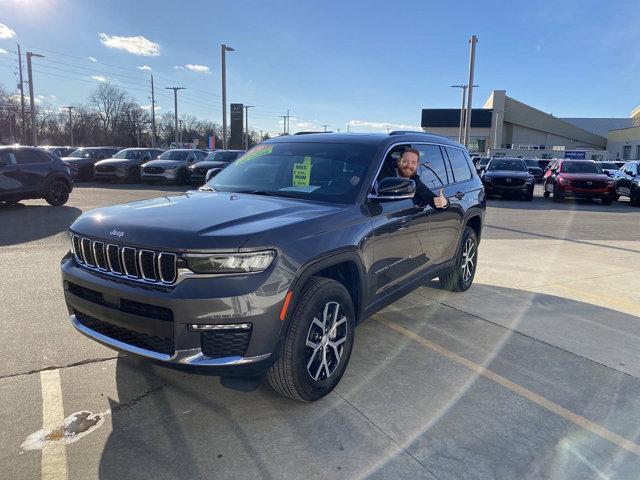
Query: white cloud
[198, 68]
[148, 107]
[144, 67]
[383, 126]
[2, 50]
[52, 97]
[304, 125]
[41, 97]
[138, 45]
[6, 32]
[92, 59]
[99, 78]
[178, 67]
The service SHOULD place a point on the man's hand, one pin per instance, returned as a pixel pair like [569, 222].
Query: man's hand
[441, 201]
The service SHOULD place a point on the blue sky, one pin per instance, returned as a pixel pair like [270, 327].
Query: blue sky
[368, 63]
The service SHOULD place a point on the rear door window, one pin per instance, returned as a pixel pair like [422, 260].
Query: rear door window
[459, 165]
[7, 158]
[432, 169]
[26, 157]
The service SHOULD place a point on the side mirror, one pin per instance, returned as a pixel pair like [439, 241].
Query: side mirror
[395, 188]
[212, 173]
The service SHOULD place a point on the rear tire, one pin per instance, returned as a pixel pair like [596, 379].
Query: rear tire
[545, 193]
[557, 196]
[315, 351]
[133, 176]
[182, 177]
[57, 193]
[634, 198]
[461, 276]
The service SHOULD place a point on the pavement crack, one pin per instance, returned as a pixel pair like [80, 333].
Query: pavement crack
[386, 434]
[139, 398]
[57, 367]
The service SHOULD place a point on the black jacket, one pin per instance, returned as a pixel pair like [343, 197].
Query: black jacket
[423, 195]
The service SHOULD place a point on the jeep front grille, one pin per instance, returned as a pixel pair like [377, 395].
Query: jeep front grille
[125, 261]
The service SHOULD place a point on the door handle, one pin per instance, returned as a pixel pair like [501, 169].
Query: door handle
[459, 195]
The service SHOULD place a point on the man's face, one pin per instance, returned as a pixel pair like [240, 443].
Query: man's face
[408, 164]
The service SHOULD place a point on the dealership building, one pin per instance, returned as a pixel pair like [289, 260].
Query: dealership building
[505, 126]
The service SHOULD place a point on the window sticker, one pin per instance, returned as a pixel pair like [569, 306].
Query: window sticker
[302, 173]
[256, 152]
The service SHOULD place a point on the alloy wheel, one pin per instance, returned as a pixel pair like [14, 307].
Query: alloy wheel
[324, 343]
[468, 260]
[57, 192]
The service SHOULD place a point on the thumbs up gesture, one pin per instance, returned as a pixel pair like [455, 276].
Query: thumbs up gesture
[441, 201]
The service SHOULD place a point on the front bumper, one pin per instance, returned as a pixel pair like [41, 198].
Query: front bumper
[570, 191]
[221, 300]
[117, 174]
[492, 189]
[167, 175]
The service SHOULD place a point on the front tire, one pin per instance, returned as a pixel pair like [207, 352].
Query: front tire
[316, 349]
[461, 276]
[86, 173]
[634, 198]
[182, 177]
[557, 196]
[607, 201]
[57, 194]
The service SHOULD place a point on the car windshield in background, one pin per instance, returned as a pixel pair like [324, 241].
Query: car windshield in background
[608, 166]
[80, 153]
[532, 163]
[330, 172]
[174, 155]
[128, 154]
[580, 167]
[484, 161]
[512, 165]
[222, 156]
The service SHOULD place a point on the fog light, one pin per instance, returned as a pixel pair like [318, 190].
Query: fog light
[229, 326]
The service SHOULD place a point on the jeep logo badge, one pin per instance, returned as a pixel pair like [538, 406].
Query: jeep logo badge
[508, 180]
[116, 233]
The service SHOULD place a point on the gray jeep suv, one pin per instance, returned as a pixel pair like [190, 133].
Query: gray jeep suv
[271, 264]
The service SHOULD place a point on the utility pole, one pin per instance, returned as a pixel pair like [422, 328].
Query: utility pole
[70, 125]
[224, 49]
[288, 122]
[325, 127]
[153, 116]
[462, 111]
[348, 130]
[21, 87]
[246, 126]
[472, 59]
[34, 126]
[284, 121]
[175, 108]
[181, 127]
[338, 130]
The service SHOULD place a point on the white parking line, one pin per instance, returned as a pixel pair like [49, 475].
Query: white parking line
[54, 455]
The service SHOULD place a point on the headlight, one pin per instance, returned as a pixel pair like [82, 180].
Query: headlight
[231, 263]
[486, 178]
[564, 181]
[530, 180]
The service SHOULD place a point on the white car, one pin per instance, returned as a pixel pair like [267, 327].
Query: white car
[172, 166]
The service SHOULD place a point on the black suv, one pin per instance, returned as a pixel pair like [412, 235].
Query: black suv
[270, 265]
[508, 176]
[126, 164]
[82, 160]
[628, 182]
[27, 172]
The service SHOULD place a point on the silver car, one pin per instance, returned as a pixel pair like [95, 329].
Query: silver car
[172, 166]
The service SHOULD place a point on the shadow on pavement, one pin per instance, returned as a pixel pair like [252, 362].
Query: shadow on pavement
[569, 204]
[400, 411]
[25, 223]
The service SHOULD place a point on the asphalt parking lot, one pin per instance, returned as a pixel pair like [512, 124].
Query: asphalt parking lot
[532, 373]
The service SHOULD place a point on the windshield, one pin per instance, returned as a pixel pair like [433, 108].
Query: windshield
[129, 154]
[331, 172]
[512, 165]
[484, 161]
[221, 156]
[174, 155]
[532, 163]
[580, 167]
[80, 153]
[608, 166]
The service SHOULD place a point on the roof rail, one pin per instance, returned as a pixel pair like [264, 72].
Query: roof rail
[402, 132]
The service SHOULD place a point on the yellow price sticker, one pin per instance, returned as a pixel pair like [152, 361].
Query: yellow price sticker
[302, 173]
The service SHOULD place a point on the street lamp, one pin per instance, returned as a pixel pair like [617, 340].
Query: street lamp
[224, 49]
[34, 126]
[246, 126]
[462, 110]
[175, 106]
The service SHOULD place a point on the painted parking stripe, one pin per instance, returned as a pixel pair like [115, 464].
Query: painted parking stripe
[54, 456]
[545, 403]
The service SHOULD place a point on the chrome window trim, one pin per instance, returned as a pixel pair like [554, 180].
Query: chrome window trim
[141, 269]
[95, 257]
[124, 263]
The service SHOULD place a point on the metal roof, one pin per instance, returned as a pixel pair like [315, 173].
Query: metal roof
[602, 126]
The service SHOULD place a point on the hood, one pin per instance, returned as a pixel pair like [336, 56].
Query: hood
[75, 159]
[506, 173]
[197, 220]
[116, 162]
[535, 169]
[585, 176]
[209, 164]
[165, 163]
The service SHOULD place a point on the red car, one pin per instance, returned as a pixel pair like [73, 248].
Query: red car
[578, 179]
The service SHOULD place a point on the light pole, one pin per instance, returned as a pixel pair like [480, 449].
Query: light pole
[224, 49]
[472, 60]
[325, 127]
[246, 126]
[70, 125]
[284, 122]
[495, 133]
[34, 126]
[175, 106]
[462, 110]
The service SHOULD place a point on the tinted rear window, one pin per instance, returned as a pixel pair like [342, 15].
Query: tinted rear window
[459, 164]
[580, 167]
